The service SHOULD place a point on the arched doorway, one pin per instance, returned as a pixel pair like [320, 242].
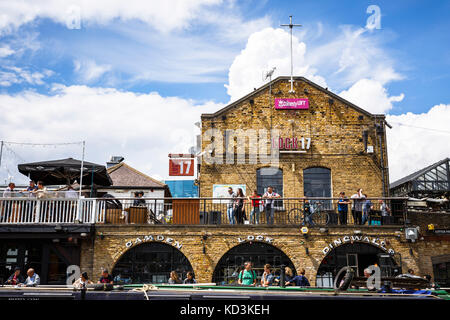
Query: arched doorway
[259, 253]
[150, 262]
[358, 256]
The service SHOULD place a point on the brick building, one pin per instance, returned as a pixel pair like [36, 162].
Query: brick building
[347, 151]
[328, 147]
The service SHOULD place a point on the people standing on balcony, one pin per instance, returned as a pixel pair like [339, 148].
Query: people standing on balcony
[105, 278]
[358, 201]
[367, 209]
[239, 206]
[343, 203]
[230, 206]
[33, 278]
[16, 278]
[299, 281]
[270, 204]
[385, 212]
[256, 202]
[248, 275]
[190, 278]
[30, 189]
[41, 191]
[9, 191]
[173, 278]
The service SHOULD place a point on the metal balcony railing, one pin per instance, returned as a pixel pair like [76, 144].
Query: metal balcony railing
[203, 211]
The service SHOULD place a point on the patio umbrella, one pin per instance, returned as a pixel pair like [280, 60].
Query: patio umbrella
[66, 171]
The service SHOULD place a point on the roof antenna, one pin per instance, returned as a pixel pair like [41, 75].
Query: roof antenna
[291, 26]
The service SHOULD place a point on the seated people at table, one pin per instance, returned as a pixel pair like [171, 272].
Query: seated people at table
[299, 281]
[106, 278]
[190, 278]
[82, 281]
[16, 278]
[33, 278]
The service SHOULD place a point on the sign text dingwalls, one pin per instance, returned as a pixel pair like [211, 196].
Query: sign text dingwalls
[159, 238]
[351, 239]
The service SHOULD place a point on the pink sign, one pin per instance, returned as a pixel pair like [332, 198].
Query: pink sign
[291, 104]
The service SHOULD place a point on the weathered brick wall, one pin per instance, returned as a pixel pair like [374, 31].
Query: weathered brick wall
[223, 238]
[335, 130]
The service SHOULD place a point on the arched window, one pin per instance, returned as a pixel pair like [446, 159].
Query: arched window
[150, 262]
[259, 253]
[358, 256]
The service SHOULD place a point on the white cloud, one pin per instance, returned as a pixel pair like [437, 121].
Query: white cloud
[13, 75]
[371, 96]
[266, 49]
[411, 148]
[143, 128]
[5, 51]
[88, 70]
[353, 54]
[162, 15]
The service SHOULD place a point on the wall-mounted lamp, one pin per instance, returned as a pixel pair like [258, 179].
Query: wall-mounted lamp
[304, 231]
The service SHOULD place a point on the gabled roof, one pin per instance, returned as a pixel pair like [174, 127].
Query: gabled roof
[281, 78]
[123, 175]
[417, 174]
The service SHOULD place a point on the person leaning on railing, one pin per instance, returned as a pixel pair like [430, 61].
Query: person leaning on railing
[270, 210]
[82, 281]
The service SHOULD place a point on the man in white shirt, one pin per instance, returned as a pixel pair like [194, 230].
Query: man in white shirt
[358, 201]
[9, 192]
[33, 278]
[230, 206]
[270, 195]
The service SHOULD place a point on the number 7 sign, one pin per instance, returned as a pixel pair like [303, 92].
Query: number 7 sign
[181, 167]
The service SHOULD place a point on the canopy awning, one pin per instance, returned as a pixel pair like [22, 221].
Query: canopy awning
[66, 171]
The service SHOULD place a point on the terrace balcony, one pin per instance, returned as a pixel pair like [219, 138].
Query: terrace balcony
[190, 211]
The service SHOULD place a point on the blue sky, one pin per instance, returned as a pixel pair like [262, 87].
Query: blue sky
[208, 52]
[414, 33]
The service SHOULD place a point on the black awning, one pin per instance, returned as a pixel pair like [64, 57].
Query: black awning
[66, 171]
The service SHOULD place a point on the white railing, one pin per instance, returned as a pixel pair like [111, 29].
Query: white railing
[51, 211]
[86, 210]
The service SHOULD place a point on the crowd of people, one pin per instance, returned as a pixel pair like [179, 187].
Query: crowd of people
[236, 210]
[248, 276]
[362, 208]
[35, 190]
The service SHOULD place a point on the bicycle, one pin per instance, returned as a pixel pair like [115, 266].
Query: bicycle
[315, 217]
